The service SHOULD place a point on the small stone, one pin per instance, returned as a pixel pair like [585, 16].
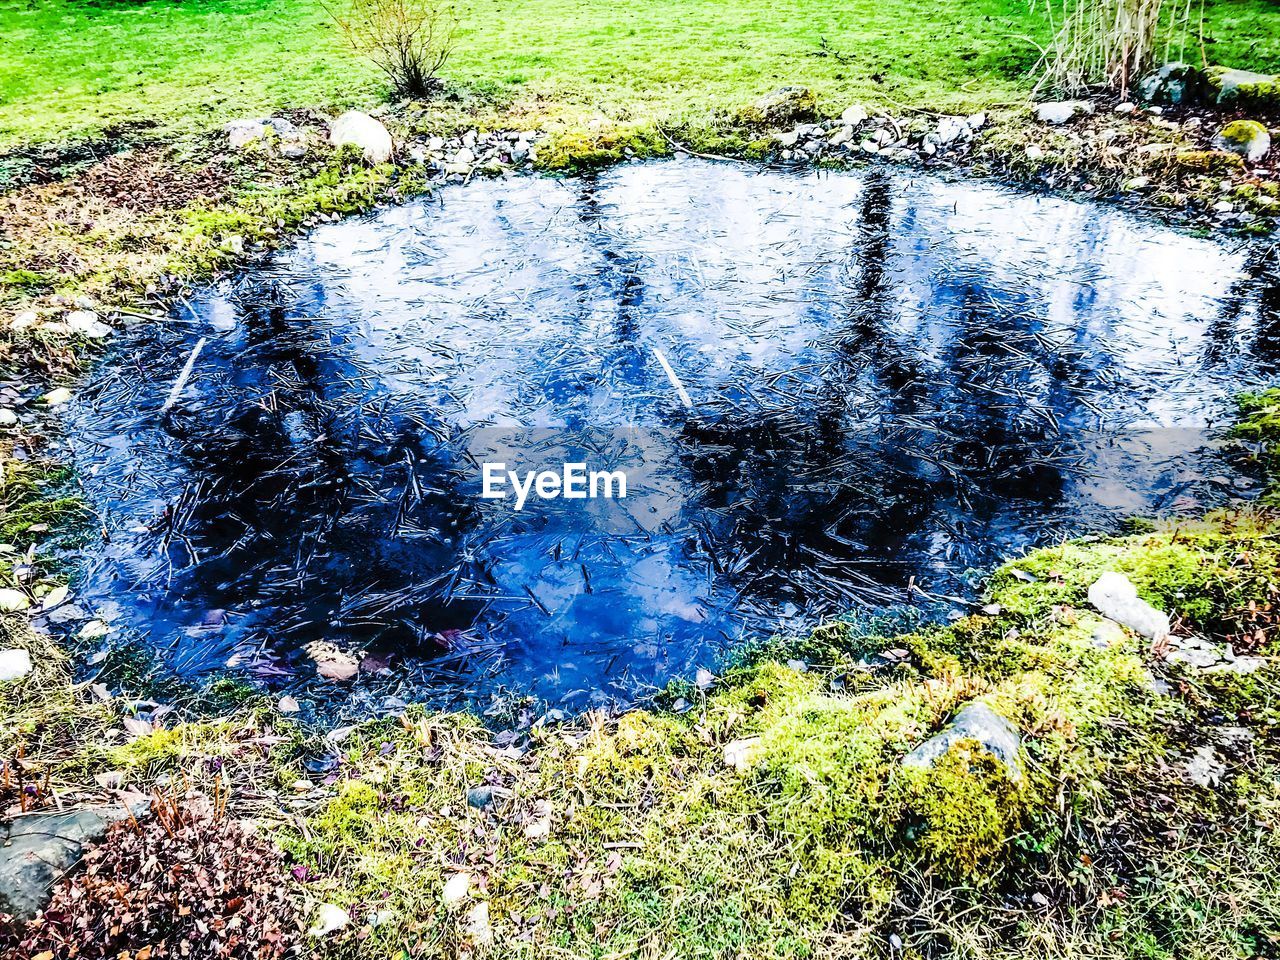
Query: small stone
[739, 754]
[1061, 111]
[12, 601]
[330, 918]
[56, 397]
[242, 133]
[1239, 665]
[8, 418]
[1115, 597]
[1204, 768]
[951, 129]
[87, 324]
[1172, 84]
[1034, 152]
[480, 798]
[287, 705]
[976, 721]
[790, 138]
[456, 889]
[1200, 659]
[1126, 107]
[783, 105]
[854, 115]
[479, 930]
[1223, 206]
[14, 664]
[840, 136]
[24, 321]
[1137, 183]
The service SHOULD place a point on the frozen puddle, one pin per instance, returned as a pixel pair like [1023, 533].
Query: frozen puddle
[889, 378]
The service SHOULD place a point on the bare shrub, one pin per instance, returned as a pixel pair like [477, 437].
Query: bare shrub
[1112, 43]
[408, 40]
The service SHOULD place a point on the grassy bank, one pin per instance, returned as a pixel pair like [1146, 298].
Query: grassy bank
[72, 69]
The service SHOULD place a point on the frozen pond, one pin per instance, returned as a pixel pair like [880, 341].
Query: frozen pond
[877, 379]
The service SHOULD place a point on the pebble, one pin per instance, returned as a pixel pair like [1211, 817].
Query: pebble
[14, 664]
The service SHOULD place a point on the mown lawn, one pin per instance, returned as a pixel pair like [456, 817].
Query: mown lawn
[73, 68]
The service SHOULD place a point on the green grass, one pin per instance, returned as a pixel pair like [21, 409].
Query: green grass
[72, 68]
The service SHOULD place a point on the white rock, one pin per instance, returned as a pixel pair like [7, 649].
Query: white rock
[14, 665]
[456, 889]
[57, 396]
[360, 129]
[840, 135]
[479, 930]
[1062, 110]
[24, 320]
[241, 133]
[854, 115]
[976, 121]
[790, 138]
[1115, 597]
[951, 129]
[1126, 107]
[7, 417]
[462, 157]
[329, 918]
[87, 324]
[13, 600]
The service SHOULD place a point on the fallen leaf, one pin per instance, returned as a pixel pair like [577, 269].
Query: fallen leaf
[139, 728]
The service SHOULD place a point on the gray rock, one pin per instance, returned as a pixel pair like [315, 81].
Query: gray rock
[480, 798]
[854, 115]
[1245, 138]
[1113, 596]
[241, 133]
[1231, 86]
[785, 105]
[1062, 110]
[1239, 665]
[1200, 659]
[361, 130]
[951, 129]
[1172, 84]
[35, 852]
[977, 722]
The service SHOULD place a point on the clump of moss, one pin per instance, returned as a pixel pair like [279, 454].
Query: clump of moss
[1208, 161]
[963, 811]
[588, 148]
